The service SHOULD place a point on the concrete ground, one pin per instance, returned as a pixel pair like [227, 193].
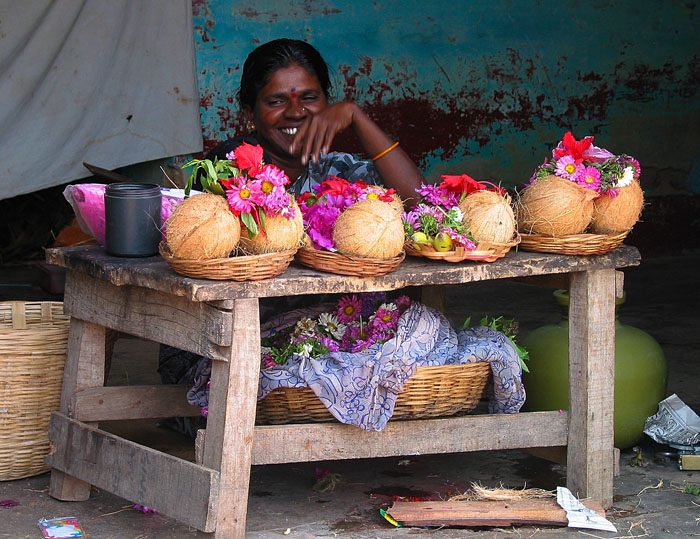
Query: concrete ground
[649, 500]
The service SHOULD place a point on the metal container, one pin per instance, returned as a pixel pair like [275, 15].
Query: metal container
[132, 219]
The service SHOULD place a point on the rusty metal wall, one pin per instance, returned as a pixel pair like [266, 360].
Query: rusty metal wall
[485, 87]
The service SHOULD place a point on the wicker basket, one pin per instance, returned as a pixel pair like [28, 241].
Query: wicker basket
[435, 391]
[486, 251]
[574, 244]
[33, 342]
[233, 268]
[347, 265]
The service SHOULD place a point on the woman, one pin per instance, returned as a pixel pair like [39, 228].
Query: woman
[284, 95]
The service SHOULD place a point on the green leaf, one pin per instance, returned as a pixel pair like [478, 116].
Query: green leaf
[250, 224]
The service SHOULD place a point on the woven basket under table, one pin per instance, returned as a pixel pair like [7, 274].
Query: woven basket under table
[33, 343]
[433, 391]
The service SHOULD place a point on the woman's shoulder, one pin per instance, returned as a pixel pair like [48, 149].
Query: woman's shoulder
[220, 150]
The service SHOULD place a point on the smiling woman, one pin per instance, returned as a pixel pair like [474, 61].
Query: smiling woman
[284, 97]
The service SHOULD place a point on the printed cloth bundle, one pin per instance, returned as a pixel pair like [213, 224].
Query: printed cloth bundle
[361, 388]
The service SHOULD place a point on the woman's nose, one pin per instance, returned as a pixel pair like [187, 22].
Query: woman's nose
[296, 109]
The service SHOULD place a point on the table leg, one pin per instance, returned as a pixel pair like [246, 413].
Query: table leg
[231, 420]
[590, 455]
[84, 369]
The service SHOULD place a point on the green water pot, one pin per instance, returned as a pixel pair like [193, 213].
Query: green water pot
[640, 373]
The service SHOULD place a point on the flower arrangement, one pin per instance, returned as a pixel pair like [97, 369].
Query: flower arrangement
[589, 166]
[509, 327]
[438, 219]
[354, 324]
[252, 188]
[322, 207]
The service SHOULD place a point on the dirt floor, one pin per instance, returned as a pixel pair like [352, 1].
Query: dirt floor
[649, 499]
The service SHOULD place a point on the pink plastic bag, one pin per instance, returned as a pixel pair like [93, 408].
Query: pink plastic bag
[88, 203]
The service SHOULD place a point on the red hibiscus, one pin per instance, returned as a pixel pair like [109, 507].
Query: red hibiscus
[467, 184]
[575, 148]
[249, 157]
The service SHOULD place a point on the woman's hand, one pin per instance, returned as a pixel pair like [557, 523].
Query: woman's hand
[317, 135]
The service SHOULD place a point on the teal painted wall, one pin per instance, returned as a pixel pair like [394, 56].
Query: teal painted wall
[485, 87]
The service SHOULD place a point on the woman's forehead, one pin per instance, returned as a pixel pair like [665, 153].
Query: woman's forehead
[290, 79]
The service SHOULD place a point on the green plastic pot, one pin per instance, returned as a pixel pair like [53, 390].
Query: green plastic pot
[640, 373]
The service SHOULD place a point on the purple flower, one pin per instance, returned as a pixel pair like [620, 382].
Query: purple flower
[589, 177]
[370, 300]
[329, 343]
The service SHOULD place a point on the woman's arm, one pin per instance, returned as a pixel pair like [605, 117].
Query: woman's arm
[395, 167]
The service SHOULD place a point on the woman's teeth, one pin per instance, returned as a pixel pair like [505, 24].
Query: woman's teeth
[289, 130]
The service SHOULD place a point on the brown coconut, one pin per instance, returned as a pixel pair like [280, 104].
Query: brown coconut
[488, 216]
[369, 228]
[202, 227]
[281, 234]
[554, 206]
[613, 215]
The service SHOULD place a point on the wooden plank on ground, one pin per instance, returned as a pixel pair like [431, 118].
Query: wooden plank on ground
[533, 512]
[132, 402]
[173, 487]
[274, 444]
[196, 327]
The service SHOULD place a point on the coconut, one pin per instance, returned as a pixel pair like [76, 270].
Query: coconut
[613, 215]
[202, 227]
[369, 228]
[488, 216]
[554, 206]
[281, 234]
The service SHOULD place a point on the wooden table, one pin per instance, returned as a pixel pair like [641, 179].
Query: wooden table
[220, 320]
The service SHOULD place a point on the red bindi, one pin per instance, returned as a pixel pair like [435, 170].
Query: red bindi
[293, 92]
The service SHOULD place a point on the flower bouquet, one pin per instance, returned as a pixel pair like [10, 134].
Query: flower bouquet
[352, 228]
[460, 219]
[584, 201]
[244, 227]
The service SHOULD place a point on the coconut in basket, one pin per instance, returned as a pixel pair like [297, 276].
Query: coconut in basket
[202, 227]
[369, 228]
[618, 211]
[489, 217]
[555, 206]
[282, 231]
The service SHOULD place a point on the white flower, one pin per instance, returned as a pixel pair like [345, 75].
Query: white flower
[456, 213]
[306, 349]
[330, 322]
[265, 350]
[305, 328]
[627, 177]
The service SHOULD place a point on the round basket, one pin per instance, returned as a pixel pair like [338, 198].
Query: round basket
[347, 265]
[433, 391]
[33, 343]
[486, 251]
[574, 244]
[233, 268]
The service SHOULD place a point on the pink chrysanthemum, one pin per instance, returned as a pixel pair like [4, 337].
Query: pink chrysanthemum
[386, 318]
[349, 309]
[589, 177]
[244, 197]
[566, 167]
[402, 303]
[437, 195]
[460, 240]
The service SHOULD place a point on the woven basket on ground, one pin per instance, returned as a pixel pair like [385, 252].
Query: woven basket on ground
[33, 342]
[433, 391]
[347, 265]
[233, 268]
[574, 244]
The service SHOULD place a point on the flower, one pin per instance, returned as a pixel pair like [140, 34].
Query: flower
[330, 198]
[252, 188]
[589, 166]
[311, 338]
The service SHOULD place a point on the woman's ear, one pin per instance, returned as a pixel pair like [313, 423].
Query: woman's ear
[248, 119]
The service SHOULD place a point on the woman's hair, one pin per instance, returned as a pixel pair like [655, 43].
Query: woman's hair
[273, 55]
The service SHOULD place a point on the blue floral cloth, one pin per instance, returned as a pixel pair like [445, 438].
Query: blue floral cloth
[361, 388]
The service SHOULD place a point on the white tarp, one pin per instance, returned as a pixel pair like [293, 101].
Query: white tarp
[109, 82]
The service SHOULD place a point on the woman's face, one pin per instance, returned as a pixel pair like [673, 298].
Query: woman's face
[283, 105]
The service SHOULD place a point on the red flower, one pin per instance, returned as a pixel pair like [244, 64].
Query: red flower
[249, 157]
[334, 186]
[570, 146]
[467, 184]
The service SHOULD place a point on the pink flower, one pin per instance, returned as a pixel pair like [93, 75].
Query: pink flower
[402, 303]
[589, 177]
[349, 309]
[244, 197]
[460, 240]
[566, 167]
[386, 318]
[438, 195]
[271, 176]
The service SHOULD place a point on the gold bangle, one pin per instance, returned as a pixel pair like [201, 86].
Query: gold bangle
[382, 154]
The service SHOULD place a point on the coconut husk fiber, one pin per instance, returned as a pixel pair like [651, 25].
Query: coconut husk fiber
[370, 229]
[554, 206]
[613, 215]
[488, 216]
[202, 227]
[281, 234]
